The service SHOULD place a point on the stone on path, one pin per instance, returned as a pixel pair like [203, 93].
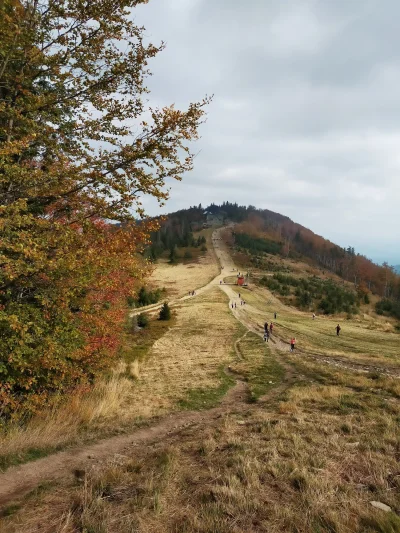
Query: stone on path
[380, 505]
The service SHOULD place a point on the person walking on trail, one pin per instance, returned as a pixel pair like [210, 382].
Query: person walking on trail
[235, 305]
[292, 344]
[266, 326]
[266, 335]
[338, 328]
[232, 305]
[239, 294]
[275, 316]
[271, 327]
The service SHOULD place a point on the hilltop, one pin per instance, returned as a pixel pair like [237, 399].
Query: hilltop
[262, 235]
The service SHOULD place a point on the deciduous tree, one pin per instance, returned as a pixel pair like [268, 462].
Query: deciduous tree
[78, 147]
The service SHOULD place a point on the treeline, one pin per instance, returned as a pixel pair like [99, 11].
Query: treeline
[315, 293]
[176, 231]
[255, 245]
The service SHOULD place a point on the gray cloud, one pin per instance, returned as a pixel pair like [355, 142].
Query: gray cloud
[305, 119]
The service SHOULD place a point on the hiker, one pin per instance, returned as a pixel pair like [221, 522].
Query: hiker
[292, 344]
[232, 305]
[235, 305]
[338, 328]
[271, 327]
[266, 335]
[275, 316]
[239, 294]
[266, 326]
[313, 316]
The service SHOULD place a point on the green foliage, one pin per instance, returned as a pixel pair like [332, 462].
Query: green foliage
[255, 245]
[79, 146]
[142, 320]
[187, 255]
[165, 312]
[388, 307]
[173, 256]
[144, 297]
[203, 248]
[325, 295]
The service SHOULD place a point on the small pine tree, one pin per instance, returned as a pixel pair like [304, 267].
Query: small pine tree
[142, 320]
[173, 255]
[165, 312]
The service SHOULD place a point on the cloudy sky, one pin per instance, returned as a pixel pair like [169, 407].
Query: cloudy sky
[306, 115]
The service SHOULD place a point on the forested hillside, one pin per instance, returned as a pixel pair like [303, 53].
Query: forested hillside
[261, 231]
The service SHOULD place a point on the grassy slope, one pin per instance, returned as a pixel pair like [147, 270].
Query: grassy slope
[309, 461]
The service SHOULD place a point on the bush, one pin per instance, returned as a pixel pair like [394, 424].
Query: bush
[165, 312]
[144, 297]
[388, 307]
[203, 248]
[188, 255]
[142, 320]
[131, 301]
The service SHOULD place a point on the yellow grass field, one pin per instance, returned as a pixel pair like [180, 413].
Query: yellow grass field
[179, 279]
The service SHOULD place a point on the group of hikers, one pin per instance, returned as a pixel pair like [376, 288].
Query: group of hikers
[268, 330]
[242, 302]
[269, 327]
[192, 293]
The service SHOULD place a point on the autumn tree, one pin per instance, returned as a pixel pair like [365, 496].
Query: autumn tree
[78, 147]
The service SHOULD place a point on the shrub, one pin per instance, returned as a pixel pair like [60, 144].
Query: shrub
[188, 255]
[203, 248]
[131, 301]
[165, 312]
[142, 320]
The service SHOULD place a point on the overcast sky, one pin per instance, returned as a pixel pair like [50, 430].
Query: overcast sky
[306, 115]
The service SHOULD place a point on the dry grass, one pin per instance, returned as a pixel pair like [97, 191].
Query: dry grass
[311, 466]
[188, 357]
[63, 424]
[359, 339]
[184, 277]
[311, 461]
[257, 365]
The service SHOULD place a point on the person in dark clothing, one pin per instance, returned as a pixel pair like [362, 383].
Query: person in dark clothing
[266, 335]
[275, 316]
[271, 327]
[338, 328]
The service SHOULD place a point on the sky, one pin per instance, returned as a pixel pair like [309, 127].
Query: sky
[305, 119]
